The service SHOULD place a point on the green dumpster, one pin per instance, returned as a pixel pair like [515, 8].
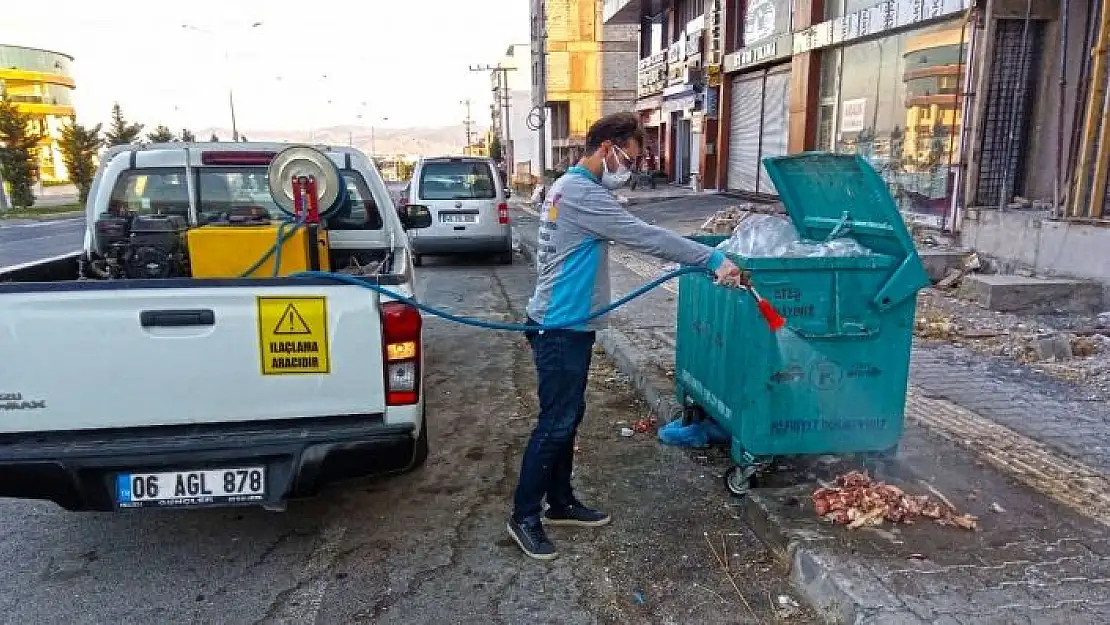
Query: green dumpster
[833, 381]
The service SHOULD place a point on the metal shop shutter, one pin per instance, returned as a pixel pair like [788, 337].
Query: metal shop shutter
[776, 123]
[743, 139]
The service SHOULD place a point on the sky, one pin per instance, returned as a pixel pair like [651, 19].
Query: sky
[308, 65]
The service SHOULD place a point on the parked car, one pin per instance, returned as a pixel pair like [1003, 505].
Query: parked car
[468, 204]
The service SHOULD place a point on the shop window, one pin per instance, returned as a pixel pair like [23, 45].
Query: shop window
[894, 101]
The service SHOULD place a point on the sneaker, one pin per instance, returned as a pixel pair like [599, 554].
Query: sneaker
[531, 538]
[576, 514]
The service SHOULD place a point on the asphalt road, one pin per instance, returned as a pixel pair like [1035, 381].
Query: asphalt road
[24, 240]
[428, 547]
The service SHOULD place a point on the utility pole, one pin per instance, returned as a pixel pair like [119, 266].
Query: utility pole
[467, 123]
[234, 126]
[230, 80]
[537, 117]
[503, 98]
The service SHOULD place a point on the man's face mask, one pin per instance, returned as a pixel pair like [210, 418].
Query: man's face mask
[617, 178]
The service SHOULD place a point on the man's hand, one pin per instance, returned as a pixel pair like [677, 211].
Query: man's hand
[728, 274]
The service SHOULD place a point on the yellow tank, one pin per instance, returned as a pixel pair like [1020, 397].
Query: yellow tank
[218, 251]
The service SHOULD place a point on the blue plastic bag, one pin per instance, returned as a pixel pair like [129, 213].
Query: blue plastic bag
[697, 434]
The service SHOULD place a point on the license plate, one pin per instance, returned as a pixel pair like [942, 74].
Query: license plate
[191, 488]
[458, 219]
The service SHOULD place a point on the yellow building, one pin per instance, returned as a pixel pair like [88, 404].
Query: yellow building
[39, 83]
[591, 70]
[934, 68]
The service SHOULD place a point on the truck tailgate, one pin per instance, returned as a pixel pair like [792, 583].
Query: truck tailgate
[86, 358]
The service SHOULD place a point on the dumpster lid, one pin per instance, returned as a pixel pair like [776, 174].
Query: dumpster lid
[827, 193]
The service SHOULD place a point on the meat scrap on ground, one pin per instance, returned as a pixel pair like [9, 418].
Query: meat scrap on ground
[857, 500]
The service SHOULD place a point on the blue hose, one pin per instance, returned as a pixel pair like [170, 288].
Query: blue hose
[283, 235]
[493, 325]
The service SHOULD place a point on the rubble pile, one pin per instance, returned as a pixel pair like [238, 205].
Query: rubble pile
[857, 501]
[724, 221]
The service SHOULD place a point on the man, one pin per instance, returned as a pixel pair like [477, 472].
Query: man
[580, 216]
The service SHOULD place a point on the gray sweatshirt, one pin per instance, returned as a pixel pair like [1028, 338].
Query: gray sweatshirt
[578, 219]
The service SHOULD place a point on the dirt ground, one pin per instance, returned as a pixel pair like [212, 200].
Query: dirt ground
[1074, 348]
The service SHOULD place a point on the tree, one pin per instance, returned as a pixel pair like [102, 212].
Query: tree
[187, 136]
[121, 132]
[214, 138]
[161, 134]
[79, 147]
[18, 151]
[404, 170]
[495, 148]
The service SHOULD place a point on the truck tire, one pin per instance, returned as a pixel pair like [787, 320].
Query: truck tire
[505, 258]
[417, 260]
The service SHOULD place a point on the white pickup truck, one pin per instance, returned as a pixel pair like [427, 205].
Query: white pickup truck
[135, 391]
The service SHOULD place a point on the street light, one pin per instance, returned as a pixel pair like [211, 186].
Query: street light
[227, 61]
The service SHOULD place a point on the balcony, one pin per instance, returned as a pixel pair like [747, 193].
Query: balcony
[630, 11]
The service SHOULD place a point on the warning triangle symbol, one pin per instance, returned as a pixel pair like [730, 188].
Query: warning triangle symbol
[291, 322]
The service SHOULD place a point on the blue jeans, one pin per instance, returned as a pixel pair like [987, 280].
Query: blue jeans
[562, 367]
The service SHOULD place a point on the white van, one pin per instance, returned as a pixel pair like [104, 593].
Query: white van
[469, 209]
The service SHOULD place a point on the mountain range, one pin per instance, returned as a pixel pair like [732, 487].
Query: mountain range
[424, 141]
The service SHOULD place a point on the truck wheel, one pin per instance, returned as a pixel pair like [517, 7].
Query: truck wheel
[420, 449]
[505, 258]
[417, 260]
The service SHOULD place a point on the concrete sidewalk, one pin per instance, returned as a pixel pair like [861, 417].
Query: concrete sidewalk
[1024, 453]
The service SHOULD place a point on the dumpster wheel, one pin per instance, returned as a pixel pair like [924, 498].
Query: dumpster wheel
[739, 480]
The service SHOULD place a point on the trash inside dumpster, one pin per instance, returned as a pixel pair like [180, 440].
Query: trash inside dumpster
[760, 236]
[833, 381]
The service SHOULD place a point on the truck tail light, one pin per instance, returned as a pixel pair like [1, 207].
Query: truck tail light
[401, 329]
[502, 213]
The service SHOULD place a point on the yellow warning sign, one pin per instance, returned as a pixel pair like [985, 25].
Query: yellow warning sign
[293, 335]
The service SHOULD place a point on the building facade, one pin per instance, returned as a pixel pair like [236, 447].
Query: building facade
[40, 84]
[587, 70]
[985, 118]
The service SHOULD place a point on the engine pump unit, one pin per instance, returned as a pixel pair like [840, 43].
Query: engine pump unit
[141, 246]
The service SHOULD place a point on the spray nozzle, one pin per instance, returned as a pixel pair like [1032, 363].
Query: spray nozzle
[774, 320]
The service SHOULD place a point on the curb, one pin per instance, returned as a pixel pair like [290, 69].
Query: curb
[41, 216]
[525, 249]
[840, 596]
[629, 359]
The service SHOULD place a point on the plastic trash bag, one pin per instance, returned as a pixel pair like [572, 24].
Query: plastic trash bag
[760, 235]
[763, 236]
[696, 434]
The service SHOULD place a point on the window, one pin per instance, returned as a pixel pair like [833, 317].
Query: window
[457, 180]
[560, 120]
[895, 101]
[149, 192]
[362, 211]
[164, 191]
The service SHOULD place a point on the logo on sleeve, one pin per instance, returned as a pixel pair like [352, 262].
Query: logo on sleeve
[551, 212]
